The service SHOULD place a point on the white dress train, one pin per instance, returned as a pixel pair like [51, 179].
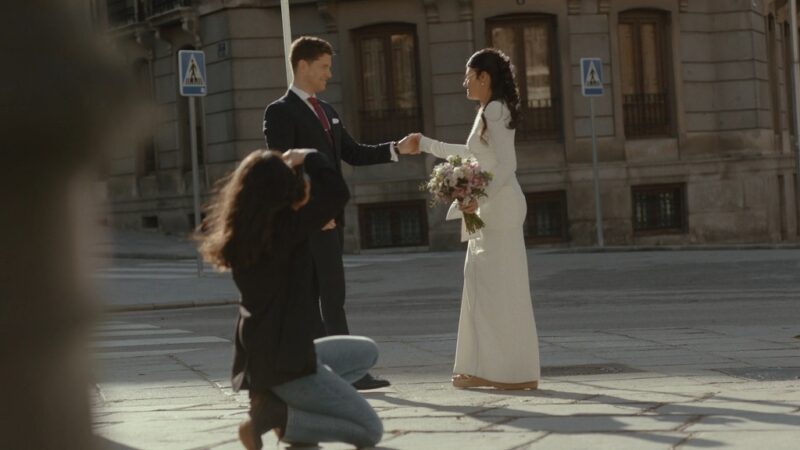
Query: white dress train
[497, 337]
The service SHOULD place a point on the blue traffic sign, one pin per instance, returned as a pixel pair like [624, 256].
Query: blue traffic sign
[591, 77]
[192, 73]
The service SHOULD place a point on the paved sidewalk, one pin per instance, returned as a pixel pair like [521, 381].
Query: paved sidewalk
[616, 389]
[604, 386]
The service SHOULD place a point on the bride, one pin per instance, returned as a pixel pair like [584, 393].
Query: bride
[497, 342]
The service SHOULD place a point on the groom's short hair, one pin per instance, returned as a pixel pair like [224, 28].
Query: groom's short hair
[309, 48]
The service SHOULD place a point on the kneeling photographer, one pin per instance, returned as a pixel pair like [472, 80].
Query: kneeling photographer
[258, 227]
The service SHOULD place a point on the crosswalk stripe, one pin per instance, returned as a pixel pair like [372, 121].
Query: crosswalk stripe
[118, 355]
[149, 270]
[152, 276]
[126, 326]
[162, 341]
[104, 334]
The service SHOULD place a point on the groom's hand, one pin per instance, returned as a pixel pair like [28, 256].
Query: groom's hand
[330, 225]
[409, 145]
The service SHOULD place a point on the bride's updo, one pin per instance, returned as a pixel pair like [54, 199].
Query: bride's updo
[504, 87]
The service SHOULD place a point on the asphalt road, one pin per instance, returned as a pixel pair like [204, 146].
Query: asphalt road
[419, 294]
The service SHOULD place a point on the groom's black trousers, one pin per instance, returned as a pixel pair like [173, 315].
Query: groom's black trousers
[329, 286]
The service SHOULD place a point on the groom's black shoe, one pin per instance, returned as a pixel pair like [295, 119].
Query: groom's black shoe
[368, 382]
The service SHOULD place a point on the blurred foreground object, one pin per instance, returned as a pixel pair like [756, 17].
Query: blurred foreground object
[60, 99]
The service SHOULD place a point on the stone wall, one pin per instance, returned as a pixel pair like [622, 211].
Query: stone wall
[729, 144]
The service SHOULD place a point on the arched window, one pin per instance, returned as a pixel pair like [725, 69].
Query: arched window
[530, 41]
[644, 68]
[387, 60]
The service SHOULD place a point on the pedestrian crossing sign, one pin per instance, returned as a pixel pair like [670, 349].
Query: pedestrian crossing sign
[591, 77]
[192, 73]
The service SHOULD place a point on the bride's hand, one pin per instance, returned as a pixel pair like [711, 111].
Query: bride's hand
[470, 208]
[409, 145]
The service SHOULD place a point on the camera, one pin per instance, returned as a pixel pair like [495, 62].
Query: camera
[297, 187]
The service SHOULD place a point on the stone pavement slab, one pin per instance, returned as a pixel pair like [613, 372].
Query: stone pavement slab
[772, 440]
[184, 401]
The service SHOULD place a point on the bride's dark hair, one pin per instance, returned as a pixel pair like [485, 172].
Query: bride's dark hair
[503, 87]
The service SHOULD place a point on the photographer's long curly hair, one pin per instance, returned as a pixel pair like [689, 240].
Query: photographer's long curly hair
[504, 86]
[238, 228]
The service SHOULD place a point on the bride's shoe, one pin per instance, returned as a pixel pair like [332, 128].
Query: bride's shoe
[515, 386]
[468, 381]
[462, 381]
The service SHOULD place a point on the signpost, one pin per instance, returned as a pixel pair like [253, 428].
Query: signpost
[287, 40]
[592, 86]
[192, 76]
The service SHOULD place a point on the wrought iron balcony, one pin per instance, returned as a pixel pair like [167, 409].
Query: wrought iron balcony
[163, 6]
[646, 115]
[541, 120]
[121, 13]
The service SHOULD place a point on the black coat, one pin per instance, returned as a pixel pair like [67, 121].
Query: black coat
[290, 123]
[274, 338]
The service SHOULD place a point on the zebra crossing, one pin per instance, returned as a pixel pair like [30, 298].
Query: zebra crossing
[154, 270]
[184, 269]
[118, 339]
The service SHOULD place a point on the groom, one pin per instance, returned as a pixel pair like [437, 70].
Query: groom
[300, 120]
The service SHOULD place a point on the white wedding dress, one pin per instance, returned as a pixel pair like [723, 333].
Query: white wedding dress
[497, 337]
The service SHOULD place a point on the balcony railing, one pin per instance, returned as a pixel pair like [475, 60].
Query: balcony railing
[162, 6]
[389, 124]
[541, 120]
[646, 115]
[121, 13]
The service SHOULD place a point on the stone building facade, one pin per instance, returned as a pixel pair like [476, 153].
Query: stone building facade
[694, 130]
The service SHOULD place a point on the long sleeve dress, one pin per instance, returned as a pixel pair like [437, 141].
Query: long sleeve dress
[497, 337]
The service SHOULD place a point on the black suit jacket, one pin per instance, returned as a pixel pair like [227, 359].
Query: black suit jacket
[290, 123]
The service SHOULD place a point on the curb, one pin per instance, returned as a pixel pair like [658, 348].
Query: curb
[163, 306]
[547, 250]
[671, 248]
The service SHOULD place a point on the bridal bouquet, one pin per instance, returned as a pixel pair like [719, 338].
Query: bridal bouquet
[461, 180]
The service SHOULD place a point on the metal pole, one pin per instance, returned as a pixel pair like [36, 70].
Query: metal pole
[287, 40]
[195, 176]
[598, 210]
[795, 101]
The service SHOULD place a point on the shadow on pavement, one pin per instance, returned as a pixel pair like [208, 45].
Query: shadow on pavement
[541, 422]
[107, 444]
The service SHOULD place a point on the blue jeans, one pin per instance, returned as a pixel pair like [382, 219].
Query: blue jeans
[325, 407]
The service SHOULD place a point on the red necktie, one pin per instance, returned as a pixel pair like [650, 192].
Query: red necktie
[323, 119]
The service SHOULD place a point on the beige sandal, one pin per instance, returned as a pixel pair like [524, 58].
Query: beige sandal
[462, 381]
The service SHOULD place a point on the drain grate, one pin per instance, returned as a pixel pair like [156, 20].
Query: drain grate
[587, 369]
[764, 373]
